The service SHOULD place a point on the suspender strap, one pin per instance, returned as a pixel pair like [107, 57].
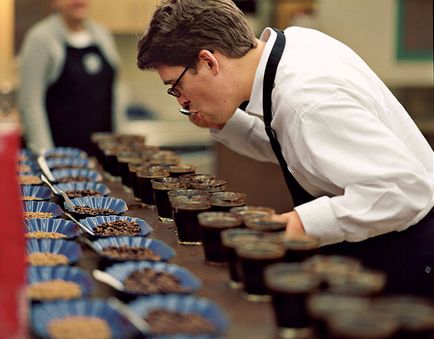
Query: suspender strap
[299, 195]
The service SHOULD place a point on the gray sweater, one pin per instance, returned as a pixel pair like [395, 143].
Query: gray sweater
[41, 62]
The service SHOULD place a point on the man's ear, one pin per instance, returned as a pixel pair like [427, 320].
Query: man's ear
[210, 61]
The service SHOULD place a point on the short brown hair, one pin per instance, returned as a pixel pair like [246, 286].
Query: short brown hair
[180, 29]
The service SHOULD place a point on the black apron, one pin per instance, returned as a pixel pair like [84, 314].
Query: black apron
[80, 101]
[406, 257]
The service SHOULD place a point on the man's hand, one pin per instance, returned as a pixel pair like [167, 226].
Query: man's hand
[294, 226]
[202, 121]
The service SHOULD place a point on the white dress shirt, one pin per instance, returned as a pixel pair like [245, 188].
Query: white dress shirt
[345, 138]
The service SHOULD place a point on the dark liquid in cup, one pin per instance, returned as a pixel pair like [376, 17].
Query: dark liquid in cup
[289, 285]
[125, 174]
[368, 283]
[187, 225]
[178, 174]
[112, 164]
[250, 212]
[254, 258]
[133, 180]
[322, 305]
[355, 325]
[103, 150]
[264, 224]
[300, 248]
[144, 190]
[212, 225]
[161, 188]
[224, 201]
[162, 203]
[178, 170]
[124, 171]
[416, 315]
[144, 184]
[230, 240]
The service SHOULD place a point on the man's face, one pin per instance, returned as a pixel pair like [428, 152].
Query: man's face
[201, 90]
[73, 9]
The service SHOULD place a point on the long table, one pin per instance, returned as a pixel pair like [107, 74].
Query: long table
[247, 319]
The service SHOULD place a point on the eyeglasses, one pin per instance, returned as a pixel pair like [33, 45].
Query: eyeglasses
[172, 90]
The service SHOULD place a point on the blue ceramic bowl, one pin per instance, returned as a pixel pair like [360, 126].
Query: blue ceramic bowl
[44, 313]
[65, 227]
[43, 206]
[93, 222]
[68, 163]
[187, 279]
[64, 152]
[83, 185]
[38, 192]
[157, 246]
[90, 175]
[183, 304]
[37, 274]
[69, 249]
[118, 206]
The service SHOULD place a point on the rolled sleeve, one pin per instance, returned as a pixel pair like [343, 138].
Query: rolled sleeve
[245, 134]
[319, 221]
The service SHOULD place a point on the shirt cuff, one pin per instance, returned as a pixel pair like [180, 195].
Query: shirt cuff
[319, 221]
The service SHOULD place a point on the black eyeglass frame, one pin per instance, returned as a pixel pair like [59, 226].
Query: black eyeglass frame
[172, 90]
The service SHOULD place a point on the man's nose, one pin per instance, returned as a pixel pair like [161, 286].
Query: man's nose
[183, 101]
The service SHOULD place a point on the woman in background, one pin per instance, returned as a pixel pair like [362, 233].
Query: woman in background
[68, 79]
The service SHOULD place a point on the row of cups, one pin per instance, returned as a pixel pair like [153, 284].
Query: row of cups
[306, 289]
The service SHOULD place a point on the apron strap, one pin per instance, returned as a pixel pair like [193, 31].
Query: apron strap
[299, 195]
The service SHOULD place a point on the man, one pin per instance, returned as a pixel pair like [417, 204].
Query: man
[356, 164]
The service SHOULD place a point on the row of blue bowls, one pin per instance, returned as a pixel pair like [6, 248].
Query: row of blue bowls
[118, 206]
[43, 313]
[44, 193]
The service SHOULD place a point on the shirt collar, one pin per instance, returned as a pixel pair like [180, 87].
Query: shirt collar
[255, 102]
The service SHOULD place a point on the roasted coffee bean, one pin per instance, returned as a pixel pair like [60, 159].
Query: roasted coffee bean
[148, 281]
[72, 178]
[130, 253]
[117, 228]
[168, 322]
[66, 166]
[81, 193]
[93, 210]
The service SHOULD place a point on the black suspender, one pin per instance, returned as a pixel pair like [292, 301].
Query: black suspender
[299, 195]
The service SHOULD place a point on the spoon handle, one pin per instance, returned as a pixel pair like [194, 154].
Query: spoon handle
[108, 279]
[134, 319]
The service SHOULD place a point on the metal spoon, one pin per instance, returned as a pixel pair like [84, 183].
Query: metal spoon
[139, 323]
[58, 191]
[184, 111]
[108, 279]
[68, 204]
[90, 244]
[82, 226]
[45, 169]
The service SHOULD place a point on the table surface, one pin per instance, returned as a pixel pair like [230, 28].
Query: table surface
[247, 319]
